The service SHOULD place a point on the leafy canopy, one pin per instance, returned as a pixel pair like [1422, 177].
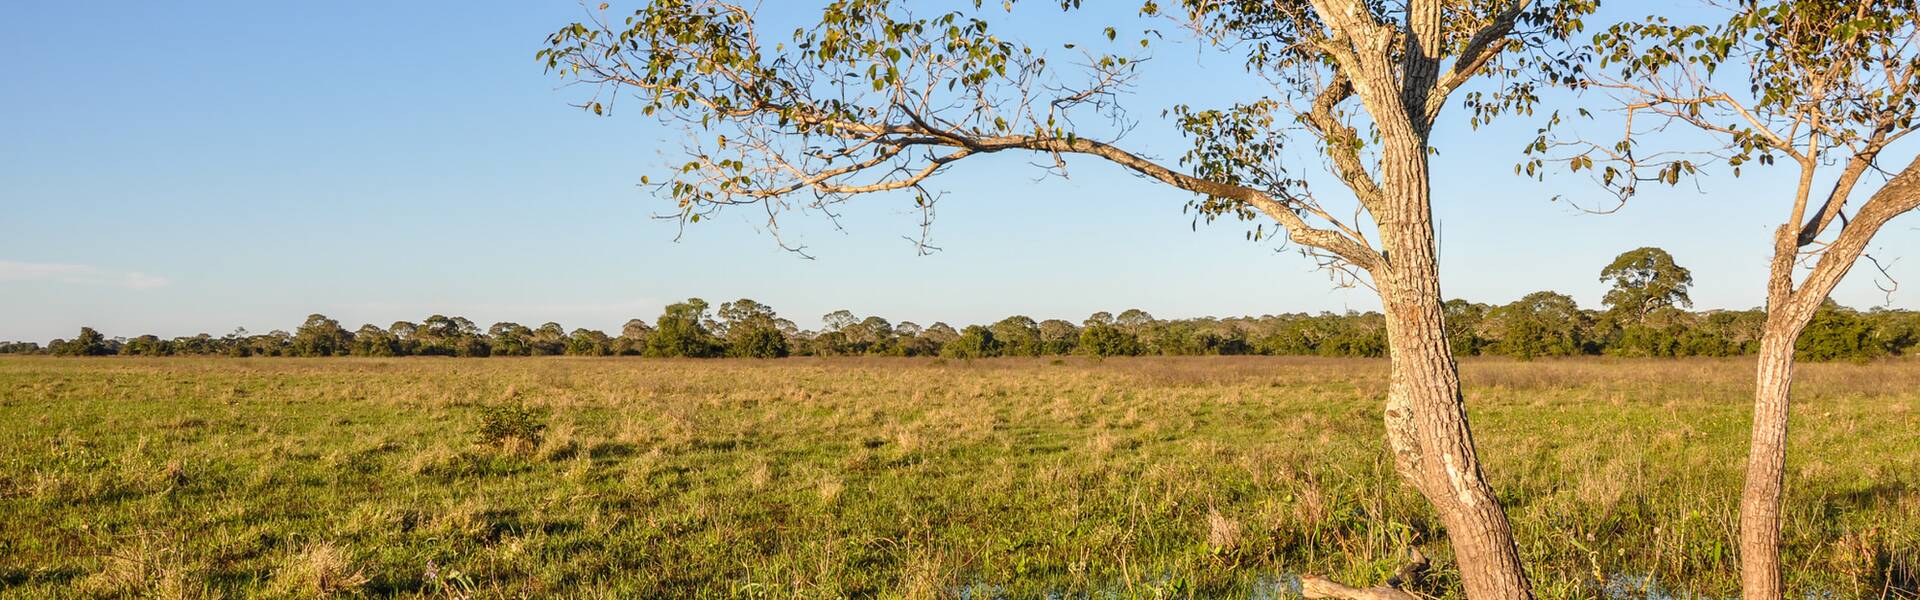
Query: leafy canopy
[875, 97]
[1645, 280]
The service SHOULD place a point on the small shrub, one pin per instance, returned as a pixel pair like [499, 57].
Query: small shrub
[511, 426]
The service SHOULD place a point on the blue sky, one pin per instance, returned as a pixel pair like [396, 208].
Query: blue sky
[174, 168]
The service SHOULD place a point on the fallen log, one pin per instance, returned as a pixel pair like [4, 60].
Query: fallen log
[1314, 586]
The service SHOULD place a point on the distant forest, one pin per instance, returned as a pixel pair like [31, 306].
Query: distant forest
[1642, 318]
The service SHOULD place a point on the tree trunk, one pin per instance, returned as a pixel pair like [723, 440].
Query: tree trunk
[1788, 312]
[1767, 463]
[1426, 417]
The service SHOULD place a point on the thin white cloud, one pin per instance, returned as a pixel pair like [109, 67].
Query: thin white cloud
[12, 270]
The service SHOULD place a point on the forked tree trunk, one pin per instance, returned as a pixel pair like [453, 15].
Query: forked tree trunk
[1787, 315]
[1788, 312]
[1426, 419]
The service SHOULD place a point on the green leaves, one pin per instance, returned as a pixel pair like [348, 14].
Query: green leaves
[1645, 280]
[876, 96]
[1818, 74]
[1238, 146]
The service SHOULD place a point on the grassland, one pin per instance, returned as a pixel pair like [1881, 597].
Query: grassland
[1200, 477]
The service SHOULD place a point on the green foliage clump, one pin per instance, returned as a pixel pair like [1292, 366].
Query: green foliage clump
[753, 330]
[757, 342]
[321, 336]
[974, 342]
[683, 333]
[88, 343]
[1541, 324]
[1101, 339]
[20, 348]
[1836, 333]
[502, 425]
[1645, 280]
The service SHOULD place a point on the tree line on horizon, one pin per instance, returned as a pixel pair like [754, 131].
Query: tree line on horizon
[1643, 317]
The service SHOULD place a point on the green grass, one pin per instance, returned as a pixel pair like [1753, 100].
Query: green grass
[905, 477]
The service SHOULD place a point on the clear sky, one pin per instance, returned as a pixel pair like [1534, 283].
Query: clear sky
[174, 168]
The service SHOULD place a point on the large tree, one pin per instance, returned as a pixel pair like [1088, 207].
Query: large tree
[549, 339]
[371, 340]
[633, 338]
[511, 339]
[682, 331]
[1017, 335]
[1058, 337]
[88, 343]
[1645, 280]
[1539, 324]
[875, 98]
[1822, 87]
[321, 336]
[751, 330]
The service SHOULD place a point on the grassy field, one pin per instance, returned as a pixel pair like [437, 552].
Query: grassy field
[1202, 477]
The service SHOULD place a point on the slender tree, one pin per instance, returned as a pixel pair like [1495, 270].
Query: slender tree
[873, 98]
[1825, 87]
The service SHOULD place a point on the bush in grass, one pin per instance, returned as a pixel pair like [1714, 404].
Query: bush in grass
[508, 425]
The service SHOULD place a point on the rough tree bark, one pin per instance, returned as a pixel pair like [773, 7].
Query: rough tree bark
[1766, 463]
[1426, 419]
[1426, 414]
